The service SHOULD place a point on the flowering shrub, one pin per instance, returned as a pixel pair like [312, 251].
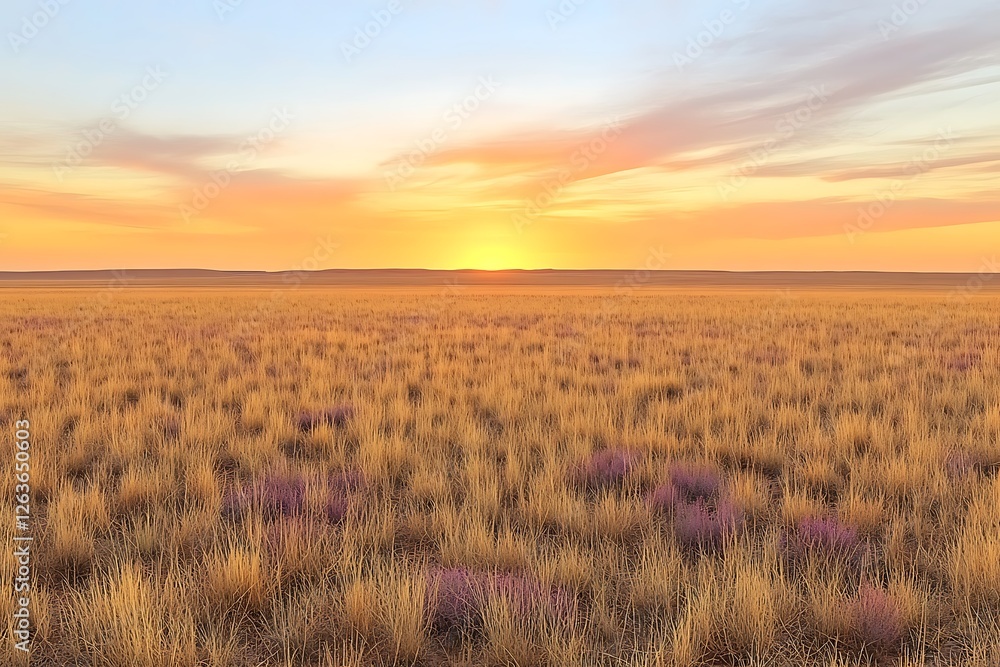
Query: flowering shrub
[877, 620]
[457, 598]
[698, 481]
[336, 416]
[607, 468]
[699, 527]
[824, 536]
[284, 495]
[964, 361]
[666, 498]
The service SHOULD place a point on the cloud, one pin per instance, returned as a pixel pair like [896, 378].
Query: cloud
[831, 217]
[185, 156]
[916, 165]
[134, 213]
[849, 73]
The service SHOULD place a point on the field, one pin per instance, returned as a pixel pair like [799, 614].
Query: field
[377, 477]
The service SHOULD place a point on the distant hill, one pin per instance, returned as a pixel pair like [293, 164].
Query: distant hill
[540, 277]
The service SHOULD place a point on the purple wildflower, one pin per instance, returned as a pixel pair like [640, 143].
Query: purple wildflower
[336, 416]
[699, 481]
[697, 526]
[666, 498]
[274, 495]
[964, 361]
[607, 468]
[827, 537]
[458, 598]
[284, 496]
[335, 508]
[877, 620]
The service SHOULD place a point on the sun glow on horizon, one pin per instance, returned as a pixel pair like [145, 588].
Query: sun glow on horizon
[491, 257]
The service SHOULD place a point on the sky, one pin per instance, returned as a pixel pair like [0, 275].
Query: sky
[491, 134]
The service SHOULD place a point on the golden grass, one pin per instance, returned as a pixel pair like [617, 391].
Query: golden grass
[162, 421]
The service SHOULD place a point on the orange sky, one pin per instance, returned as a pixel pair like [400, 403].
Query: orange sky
[805, 141]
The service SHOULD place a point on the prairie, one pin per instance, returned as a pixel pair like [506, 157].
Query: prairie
[676, 478]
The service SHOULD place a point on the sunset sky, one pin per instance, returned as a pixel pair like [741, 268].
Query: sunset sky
[738, 135]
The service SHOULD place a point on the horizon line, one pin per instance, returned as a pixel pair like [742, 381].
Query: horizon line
[487, 271]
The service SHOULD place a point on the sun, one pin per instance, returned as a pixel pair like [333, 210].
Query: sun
[492, 257]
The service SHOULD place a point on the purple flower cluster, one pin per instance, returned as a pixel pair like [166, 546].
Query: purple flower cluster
[666, 498]
[336, 416]
[335, 508]
[963, 463]
[284, 496]
[340, 487]
[689, 483]
[960, 464]
[348, 481]
[697, 481]
[698, 526]
[608, 468]
[702, 519]
[274, 495]
[457, 598]
[964, 361]
[823, 536]
[877, 621]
